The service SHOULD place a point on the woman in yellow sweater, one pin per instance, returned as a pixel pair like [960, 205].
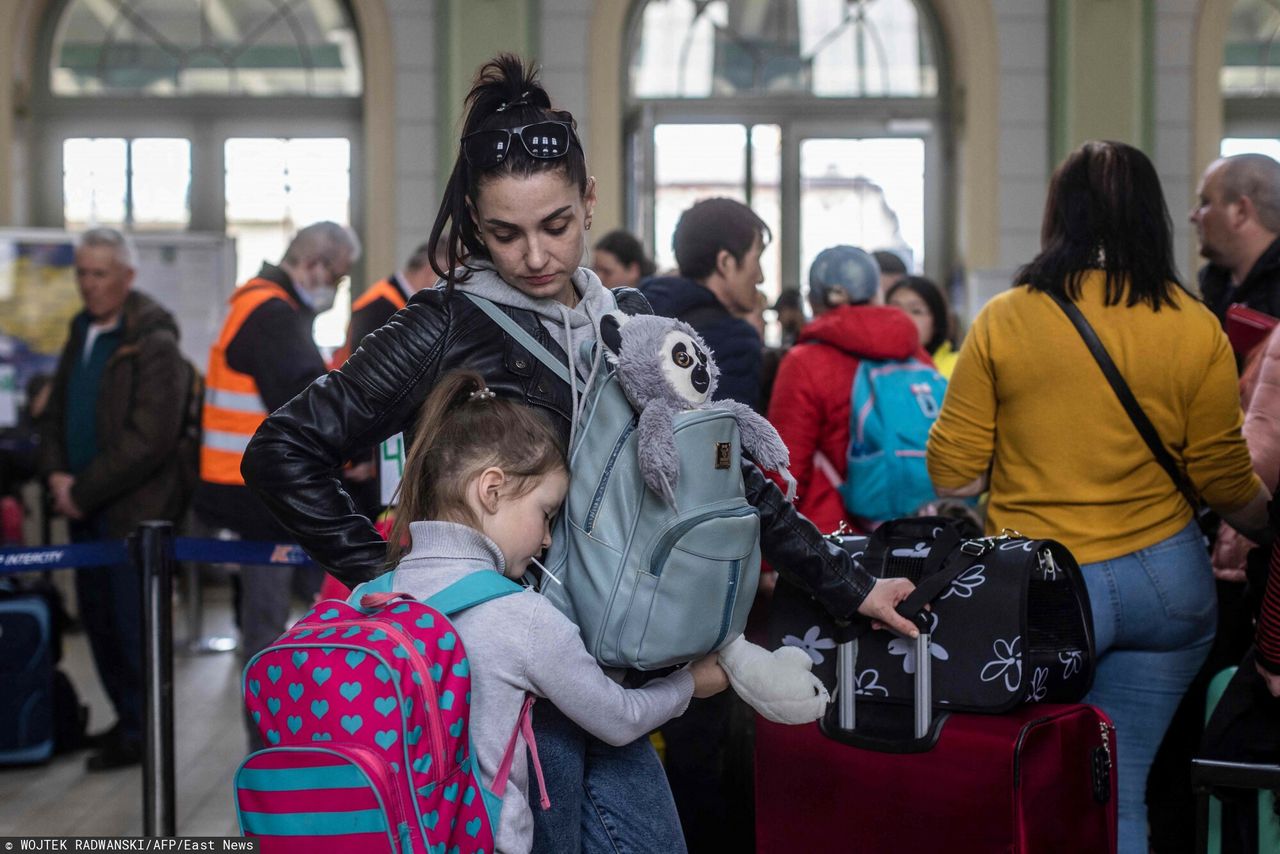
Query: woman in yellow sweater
[1029, 411]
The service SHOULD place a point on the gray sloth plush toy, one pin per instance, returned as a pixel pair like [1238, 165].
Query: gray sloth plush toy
[664, 368]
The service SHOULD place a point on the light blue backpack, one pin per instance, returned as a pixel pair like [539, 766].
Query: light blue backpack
[893, 407]
[648, 584]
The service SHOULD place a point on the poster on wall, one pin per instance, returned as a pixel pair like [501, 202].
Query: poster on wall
[191, 274]
[38, 298]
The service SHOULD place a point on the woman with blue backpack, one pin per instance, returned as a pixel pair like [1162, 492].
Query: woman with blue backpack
[517, 207]
[851, 350]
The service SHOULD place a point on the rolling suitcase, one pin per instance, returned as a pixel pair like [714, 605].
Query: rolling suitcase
[1037, 780]
[26, 679]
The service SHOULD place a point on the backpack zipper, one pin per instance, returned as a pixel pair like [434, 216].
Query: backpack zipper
[735, 575]
[668, 540]
[596, 500]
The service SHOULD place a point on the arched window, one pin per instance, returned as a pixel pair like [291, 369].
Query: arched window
[1251, 79]
[827, 117]
[234, 116]
[159, 48]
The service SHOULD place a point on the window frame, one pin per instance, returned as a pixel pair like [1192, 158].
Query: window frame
[58, 10]
[801, 118]
[1245, 115]
[206, 120]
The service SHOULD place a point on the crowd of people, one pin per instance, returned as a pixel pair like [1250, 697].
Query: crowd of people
[1028, 432]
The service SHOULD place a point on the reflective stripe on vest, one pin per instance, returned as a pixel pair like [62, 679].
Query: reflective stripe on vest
[386, 289]
[233, 407]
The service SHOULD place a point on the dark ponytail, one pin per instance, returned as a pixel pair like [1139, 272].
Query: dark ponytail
[506, 93]
[462, 429]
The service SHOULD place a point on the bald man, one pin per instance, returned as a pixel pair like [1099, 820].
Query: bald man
[1237, 220]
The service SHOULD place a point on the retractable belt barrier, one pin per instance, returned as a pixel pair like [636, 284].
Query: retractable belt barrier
[154, 548]
[61, 557]
[109, 552]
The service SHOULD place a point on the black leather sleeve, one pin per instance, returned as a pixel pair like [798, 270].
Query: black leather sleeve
[798, 551]
[293, 462]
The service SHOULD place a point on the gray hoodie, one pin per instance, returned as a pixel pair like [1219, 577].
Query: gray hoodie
[569, 327]
[521, 643]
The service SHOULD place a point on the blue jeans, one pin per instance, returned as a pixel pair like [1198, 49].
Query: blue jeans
[604, 799]
[1154, 616]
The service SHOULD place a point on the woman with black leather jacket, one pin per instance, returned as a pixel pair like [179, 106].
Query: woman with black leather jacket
[517, 207]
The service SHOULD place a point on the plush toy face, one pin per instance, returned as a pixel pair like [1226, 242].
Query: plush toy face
[686, 367]
[659, 359]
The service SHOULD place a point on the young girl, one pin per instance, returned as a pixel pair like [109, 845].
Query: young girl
[488, 475]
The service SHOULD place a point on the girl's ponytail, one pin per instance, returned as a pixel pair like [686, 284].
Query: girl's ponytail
[413, 496]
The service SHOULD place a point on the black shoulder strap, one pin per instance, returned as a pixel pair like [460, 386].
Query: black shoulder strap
[1131, 406]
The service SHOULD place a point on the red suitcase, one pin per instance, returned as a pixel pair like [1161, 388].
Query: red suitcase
[1038, 780]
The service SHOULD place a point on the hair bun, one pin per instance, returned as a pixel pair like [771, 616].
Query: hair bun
[504, 83]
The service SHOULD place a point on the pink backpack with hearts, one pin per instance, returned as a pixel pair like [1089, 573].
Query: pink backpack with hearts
[364, 712]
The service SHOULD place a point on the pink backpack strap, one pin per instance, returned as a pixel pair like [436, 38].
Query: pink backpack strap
[524, 724]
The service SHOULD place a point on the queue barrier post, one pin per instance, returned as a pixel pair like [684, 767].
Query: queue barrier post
[152, 547]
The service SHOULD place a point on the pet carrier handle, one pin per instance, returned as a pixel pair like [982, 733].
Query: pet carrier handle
[954, 565]
[947, 543]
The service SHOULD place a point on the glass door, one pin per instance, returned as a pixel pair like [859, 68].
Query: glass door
[867, 192]
[816, 183]
[275, 186]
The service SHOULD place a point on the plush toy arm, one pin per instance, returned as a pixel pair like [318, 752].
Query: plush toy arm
[776, 684]
[759, 438]
[659, 461]
[761, 441]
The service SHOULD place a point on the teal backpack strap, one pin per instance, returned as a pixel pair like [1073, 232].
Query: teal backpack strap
[475, 588]
[527, 341]
[382, 584]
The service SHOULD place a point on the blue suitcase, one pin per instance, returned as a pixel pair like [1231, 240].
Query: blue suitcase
[26, 680]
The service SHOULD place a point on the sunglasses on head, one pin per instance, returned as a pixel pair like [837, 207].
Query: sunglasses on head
[545, 140]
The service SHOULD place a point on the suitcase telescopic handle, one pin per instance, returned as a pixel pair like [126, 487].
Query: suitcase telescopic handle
[847, 681]
[924, 684]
